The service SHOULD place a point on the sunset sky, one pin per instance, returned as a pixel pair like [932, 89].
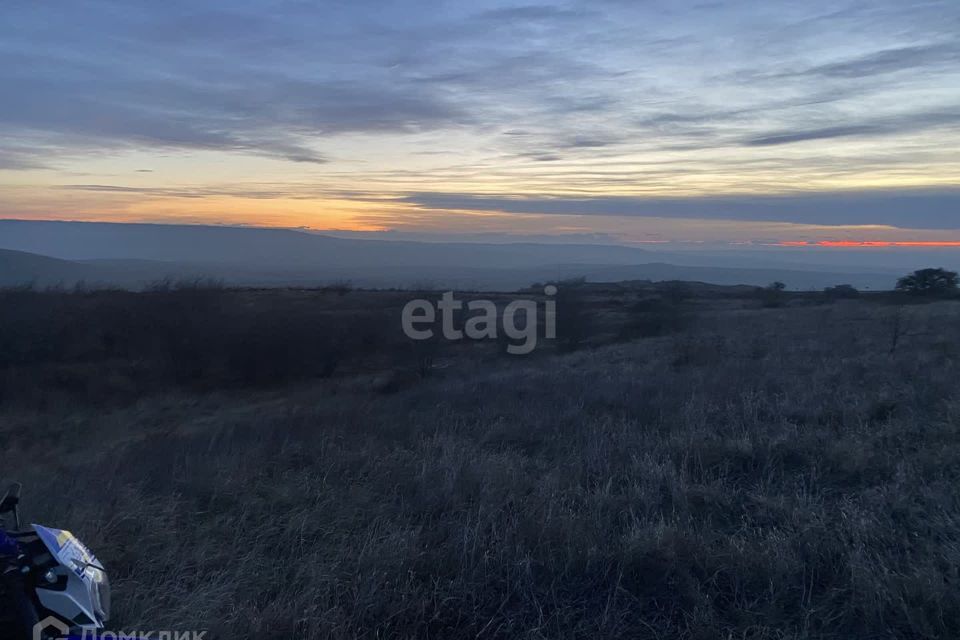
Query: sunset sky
[630, 121]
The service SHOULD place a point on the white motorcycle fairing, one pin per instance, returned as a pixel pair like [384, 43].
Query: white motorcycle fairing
[79, 592]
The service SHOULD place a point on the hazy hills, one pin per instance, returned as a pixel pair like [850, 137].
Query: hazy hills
[18, 267]
[130, 255]
[21, 268]
[283, 248]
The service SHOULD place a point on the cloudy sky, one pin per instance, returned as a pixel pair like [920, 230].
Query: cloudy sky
[630, 120]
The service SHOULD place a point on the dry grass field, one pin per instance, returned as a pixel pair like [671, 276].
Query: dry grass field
[716, 470]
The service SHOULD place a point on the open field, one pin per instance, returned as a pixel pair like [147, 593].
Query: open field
[692, 466]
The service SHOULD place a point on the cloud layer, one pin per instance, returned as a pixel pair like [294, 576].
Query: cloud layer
[630, 109]
[911, 208]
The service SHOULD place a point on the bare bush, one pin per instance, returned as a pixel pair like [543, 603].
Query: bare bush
[841, 292]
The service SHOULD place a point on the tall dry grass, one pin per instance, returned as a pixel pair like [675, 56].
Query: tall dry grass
[768, 474]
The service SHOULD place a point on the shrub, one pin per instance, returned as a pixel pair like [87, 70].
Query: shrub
[340, 287]
[929, 282]
[772, 295]
[841, 291]
[574, 319]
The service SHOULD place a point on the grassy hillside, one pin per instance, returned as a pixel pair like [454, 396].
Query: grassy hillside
[747, 473]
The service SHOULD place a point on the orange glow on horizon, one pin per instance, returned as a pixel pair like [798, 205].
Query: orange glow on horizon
[872, 243]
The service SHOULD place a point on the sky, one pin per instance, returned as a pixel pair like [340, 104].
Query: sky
[631, 121]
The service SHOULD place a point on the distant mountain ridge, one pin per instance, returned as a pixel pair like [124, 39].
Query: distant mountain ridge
[19, 268]
[281, 247]
[132, 255]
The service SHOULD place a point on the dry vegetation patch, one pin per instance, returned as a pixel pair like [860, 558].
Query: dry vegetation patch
[761, 473]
